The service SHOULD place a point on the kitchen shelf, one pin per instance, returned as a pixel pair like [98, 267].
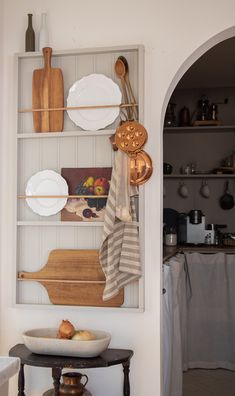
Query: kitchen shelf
[205, 176]
[201, 129]
[38, 135]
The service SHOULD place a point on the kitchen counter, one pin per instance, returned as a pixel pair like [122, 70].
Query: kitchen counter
[170, 251]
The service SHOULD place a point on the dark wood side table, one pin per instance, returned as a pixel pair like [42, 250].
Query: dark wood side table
[110, 357]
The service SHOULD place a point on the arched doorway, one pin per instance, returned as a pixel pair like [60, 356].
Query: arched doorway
[221, 37]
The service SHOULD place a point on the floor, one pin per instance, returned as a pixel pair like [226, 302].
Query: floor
[209, 383]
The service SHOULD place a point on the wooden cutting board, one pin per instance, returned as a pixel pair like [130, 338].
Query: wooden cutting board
[73, 277]
[48, 93]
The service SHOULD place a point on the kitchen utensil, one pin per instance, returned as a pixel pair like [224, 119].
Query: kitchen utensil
[171, 237]
[45, 342]
[94, 90]
[195, 216]
[45, 183]
[184, 117]
[170, 119]
[183, 190]
[167, 168]
[140, 168]
[204, 190]
[185, 170]
[72, 385]
[48, 92]
[227, 200]
[121, 73]
[122, 64]
[130, 136]
[73, 277]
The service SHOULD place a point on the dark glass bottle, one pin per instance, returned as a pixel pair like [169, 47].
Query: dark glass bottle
[30, 35]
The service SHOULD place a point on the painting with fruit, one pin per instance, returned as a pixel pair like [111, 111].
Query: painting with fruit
[91, 183]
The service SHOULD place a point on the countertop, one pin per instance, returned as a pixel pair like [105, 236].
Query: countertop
[170, 251]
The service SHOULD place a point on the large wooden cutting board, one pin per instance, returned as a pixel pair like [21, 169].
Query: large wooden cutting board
[73, 277]
[48, 93]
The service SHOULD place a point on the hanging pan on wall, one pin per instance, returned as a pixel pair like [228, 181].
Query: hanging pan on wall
[130, 137]
[140, 168]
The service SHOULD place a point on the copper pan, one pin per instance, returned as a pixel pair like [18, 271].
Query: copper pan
[141, 168]
[130, 136]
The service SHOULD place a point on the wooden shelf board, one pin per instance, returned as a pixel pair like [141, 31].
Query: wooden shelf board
[198, 129]
[206, 176]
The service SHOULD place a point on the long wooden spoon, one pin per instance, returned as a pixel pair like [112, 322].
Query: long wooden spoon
[125, 70]
[120, 72]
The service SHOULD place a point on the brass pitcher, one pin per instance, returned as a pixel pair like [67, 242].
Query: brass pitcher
[72, 385]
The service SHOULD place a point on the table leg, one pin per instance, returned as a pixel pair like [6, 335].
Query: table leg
[21, 381]
[126, 385]
[56, 374]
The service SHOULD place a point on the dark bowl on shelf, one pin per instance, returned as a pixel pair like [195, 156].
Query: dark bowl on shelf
[167, 168]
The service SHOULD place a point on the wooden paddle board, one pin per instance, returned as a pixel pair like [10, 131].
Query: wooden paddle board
[48, 93]
[74, 277]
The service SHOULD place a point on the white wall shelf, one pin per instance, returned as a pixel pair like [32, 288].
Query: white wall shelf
[60, 223]
[72, 148]
[38, 135]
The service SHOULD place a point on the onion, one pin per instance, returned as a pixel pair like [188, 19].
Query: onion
[83, 335]
[66, 330]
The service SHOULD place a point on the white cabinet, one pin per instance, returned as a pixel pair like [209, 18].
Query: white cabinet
[74, 148]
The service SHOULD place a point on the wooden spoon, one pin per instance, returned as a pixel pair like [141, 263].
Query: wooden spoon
[120, 72]
[123, 61]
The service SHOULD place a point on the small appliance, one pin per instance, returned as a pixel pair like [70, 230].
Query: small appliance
[191, 227]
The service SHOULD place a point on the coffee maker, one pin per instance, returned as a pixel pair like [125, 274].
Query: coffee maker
[191, 227]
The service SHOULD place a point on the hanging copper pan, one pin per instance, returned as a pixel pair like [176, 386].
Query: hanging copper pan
[140, 167]
[130, 136]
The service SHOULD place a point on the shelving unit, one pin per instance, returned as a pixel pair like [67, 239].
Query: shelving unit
[37, 236]
[201, 129]
[201, 176]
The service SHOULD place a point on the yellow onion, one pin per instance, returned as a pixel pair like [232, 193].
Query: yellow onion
[66, 330]
[83, 335]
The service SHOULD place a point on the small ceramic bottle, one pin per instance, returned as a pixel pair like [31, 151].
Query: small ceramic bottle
[30, 35]
[43, 34]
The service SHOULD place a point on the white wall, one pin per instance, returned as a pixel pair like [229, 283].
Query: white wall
[170, 31]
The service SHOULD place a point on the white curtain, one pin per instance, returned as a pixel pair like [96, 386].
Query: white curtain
[198, 312]
[211, 311]
[174, 324]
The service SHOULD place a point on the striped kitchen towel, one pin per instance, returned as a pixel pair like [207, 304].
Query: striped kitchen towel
[119, 254]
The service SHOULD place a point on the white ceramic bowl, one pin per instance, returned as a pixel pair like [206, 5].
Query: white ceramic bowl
[44, 341]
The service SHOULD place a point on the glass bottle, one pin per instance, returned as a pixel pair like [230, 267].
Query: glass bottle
[30, 35]
[43, 34]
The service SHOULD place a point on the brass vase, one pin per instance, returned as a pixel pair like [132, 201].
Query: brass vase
[72, 385]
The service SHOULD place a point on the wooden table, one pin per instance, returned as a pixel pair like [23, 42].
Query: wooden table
[110, 357]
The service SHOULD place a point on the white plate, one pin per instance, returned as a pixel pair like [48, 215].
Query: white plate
[46, 182]
[93, 90]
[44, 341]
